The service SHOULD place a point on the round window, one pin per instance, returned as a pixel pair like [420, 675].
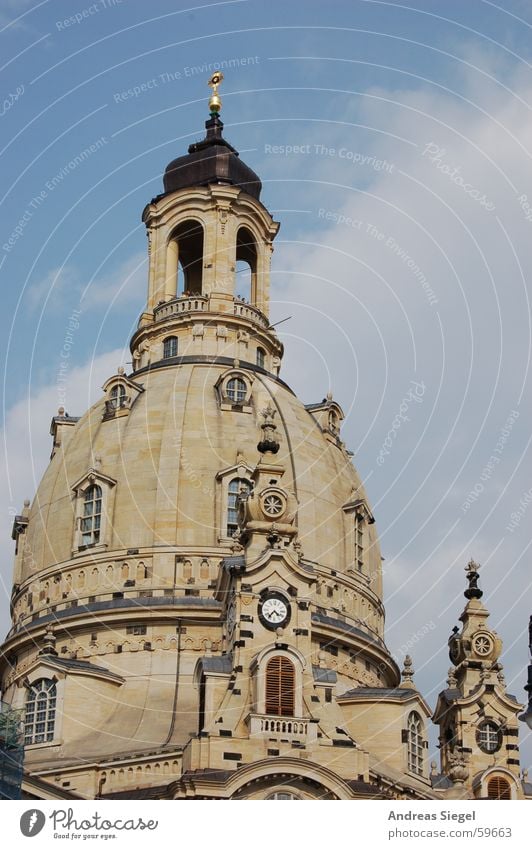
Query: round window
[489, 737]
[482, 644]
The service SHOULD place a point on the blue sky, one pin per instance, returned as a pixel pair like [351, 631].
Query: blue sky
[403, 258]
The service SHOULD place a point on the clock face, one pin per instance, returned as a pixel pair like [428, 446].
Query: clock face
[274, 611]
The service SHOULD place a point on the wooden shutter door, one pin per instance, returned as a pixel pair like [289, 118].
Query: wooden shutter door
[498, 788]
[280, 687]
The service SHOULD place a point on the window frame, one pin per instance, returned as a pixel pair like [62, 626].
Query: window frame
[242, 402]
[93, 495]
[258, 672]
[51, 704]
[415, 744]
[499, 779]
[172, 341]
[108, 490]
[224, 477]
[236, 390]
[118, 396]
[489, 732]
[233, 508]
[279, 686]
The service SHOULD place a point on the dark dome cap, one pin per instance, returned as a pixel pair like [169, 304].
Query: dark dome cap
[212, 160]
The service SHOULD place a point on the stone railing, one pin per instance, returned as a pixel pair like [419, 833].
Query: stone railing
[196, 303]
[200, 304]
[243, 310]
[282, 727]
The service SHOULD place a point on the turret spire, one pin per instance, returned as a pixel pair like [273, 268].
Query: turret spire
[473, 591]
[215, 102]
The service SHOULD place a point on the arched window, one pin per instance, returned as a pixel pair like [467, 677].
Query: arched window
[91, 520]
[498, 788]
[185, 260]
[280, 686]
[489, 737]
[415, 744]
[260, 357]
[170, 347]
[246, 265]
[359, 540]
[284, 795]
[236, 486]
[236, 390]
[118, 396]
[39, 721]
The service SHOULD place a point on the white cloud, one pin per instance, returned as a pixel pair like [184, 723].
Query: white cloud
[26, 444]
[113, 288]
[364, 324]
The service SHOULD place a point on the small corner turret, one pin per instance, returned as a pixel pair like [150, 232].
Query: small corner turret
[477, 717]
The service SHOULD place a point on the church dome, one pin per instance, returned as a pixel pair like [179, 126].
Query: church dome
[200, 555]
[164, 470]
[212, 160]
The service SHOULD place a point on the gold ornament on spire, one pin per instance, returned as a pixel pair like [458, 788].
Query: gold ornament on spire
[215, 103]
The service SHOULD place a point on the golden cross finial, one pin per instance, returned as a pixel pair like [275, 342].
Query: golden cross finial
[215, 103]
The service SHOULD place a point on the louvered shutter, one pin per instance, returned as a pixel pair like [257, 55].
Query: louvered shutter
[498, 788]
[280, 686]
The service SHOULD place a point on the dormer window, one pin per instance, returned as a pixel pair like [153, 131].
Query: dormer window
[121, 393]
[170, 347]
[236, 390]
[94, 496]
[91, 520]
[415, 743]
[358, 533]
[39, 720]
[117, 396]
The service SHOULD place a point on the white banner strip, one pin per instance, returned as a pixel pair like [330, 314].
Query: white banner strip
[252, 825]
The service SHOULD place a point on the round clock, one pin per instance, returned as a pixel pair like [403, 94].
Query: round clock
[274, 611]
